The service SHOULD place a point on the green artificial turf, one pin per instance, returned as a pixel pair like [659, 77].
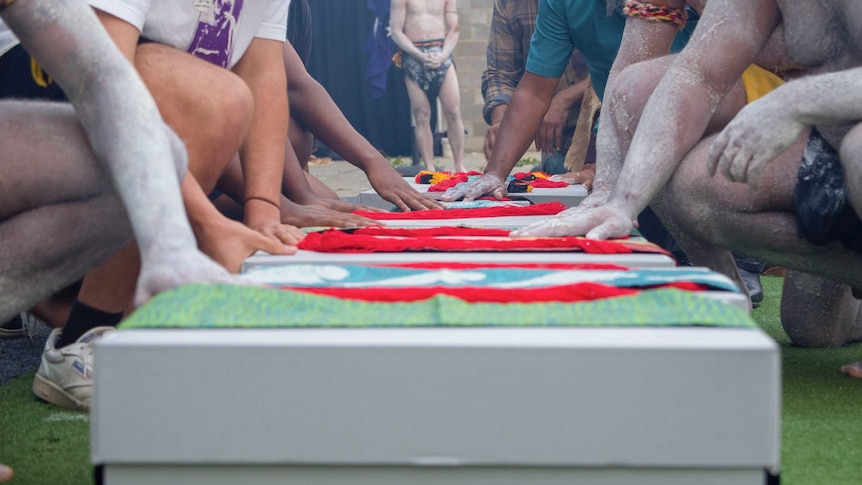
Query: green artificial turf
[821, 423]
[44, 444]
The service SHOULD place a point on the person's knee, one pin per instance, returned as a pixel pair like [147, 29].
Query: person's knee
[850, 153]
[233, 109]
[422, 116]
[630, 93]
[452, 114]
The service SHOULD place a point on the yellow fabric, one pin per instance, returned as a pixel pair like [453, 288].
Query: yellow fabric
[577, 152]
[758, 82]
[38, 74]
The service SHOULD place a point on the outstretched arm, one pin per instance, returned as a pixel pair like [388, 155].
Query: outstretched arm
[262, 153]
[139, 152]
[643, 39]
[728, 38]
[312, 106]
[517, 130]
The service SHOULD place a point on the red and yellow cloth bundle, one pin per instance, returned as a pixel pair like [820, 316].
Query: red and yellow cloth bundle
[543, 209]
[518, 183]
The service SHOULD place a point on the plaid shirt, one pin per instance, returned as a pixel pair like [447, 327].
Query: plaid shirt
[512, 27]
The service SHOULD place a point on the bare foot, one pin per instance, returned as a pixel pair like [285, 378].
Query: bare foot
[853, 370]
[5, 473]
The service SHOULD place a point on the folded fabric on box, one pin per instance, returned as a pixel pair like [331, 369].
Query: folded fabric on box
[482, 283]
[224, 306]
[543, 209]
[382, 239]
[517, 183]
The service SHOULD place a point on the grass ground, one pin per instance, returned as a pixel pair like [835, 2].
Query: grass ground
[821, 425]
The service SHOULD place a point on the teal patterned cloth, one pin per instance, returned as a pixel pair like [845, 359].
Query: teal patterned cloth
[201, 306]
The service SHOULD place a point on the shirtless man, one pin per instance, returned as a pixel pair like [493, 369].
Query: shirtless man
[780, 196]
[426, 31]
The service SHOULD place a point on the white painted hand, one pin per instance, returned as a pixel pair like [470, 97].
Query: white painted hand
[601, 222]
[485, 185]
[755, 137]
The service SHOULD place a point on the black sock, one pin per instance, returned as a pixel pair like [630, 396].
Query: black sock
[82, 319]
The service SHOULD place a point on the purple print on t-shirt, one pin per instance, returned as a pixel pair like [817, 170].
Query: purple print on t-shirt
[214, 37]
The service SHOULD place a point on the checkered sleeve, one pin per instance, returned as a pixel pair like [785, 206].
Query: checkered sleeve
[505, 59]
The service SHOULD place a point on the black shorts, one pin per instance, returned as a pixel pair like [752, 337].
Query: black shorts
[21, 77]
[823, 212]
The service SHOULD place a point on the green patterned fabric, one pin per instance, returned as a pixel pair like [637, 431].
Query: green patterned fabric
[199, 306]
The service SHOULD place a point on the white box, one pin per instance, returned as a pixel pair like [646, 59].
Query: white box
[437, 405]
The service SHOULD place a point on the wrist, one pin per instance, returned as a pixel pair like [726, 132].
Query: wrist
[259, 211]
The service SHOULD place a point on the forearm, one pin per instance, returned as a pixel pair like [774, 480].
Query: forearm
[405, 44]
[520, 123]
[663, 139]
[262, 153]
[825, 99]
[498, 113]
[202, 213]
[451, 39]
[315, 109]
[569, 96]
[294, 183]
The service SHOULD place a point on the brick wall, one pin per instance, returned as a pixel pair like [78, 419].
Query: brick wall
[475, 17]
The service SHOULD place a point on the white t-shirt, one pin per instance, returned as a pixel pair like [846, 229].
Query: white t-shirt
[218, 31]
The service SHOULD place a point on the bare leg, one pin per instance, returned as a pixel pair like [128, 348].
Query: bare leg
[817, 312]
[756, 223]
[212, 132]
[760, 224]
[421, 108]
[450, 100]
[58, 213]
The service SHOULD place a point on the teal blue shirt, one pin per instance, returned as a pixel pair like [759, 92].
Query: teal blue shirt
[563, 25]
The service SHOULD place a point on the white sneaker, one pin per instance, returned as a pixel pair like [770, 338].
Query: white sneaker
[65, 377]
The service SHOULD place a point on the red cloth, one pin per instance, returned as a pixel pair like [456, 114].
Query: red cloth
[547, 184]
[563, 293]
[554, 266]
[543, 209]
[464, 239]
[448, 183]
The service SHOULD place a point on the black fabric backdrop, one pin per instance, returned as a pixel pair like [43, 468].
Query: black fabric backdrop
[341, 28]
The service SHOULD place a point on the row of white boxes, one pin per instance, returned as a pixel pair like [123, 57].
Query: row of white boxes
[477, 406]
